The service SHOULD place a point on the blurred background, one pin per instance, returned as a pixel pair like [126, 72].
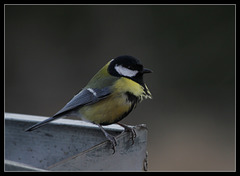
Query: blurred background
[52, 51]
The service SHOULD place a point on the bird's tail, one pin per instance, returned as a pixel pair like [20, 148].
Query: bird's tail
[38, 125]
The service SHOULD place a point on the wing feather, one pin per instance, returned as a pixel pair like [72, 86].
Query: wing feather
[85, 97]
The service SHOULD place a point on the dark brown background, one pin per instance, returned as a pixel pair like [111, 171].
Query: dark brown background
[52, 51]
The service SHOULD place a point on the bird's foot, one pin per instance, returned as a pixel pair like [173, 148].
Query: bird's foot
[111, 139]
[129, 129]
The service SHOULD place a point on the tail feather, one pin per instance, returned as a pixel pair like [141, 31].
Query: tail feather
[38, 125]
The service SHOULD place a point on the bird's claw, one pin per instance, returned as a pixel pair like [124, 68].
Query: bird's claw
[111, 138]
[113, 142]
[131, 130]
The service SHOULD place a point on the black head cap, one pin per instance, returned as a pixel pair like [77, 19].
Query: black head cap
[127, 66]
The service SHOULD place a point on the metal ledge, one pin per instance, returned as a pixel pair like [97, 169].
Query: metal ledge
[70, 145]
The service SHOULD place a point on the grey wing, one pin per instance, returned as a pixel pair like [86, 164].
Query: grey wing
[85, 97]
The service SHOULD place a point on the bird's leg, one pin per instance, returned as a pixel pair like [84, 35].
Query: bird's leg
[129, 129]
[111, 138]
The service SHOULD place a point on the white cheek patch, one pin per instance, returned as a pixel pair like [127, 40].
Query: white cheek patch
[125, 71]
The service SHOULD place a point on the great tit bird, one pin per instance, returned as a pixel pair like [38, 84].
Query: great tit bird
[109, 96]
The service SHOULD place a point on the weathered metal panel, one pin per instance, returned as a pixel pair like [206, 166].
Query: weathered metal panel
[127, 157]
[72, 145]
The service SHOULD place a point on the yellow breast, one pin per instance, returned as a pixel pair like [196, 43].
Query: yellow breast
[127, 85]
[112, 108]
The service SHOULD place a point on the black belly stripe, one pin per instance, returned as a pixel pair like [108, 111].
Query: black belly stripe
[130, 98]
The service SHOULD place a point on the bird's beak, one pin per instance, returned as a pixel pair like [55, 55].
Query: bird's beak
[146, 70]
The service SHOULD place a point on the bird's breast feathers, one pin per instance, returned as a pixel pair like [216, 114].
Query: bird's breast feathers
[124, 97]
